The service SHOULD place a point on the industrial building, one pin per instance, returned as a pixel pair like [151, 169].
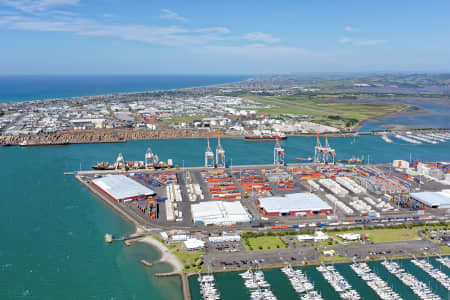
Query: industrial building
[318, 236]
[219, 213]
[433, 199]
[193, 244]
[293, 204]
[121, 188]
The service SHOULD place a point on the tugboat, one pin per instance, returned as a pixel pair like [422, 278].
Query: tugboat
[108, 238]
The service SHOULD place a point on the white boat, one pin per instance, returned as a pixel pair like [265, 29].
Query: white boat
[386, 139]
[418, 287]
[378, 285]
[406, 139]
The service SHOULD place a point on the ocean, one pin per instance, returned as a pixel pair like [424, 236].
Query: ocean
[24, 88]
[52, 227]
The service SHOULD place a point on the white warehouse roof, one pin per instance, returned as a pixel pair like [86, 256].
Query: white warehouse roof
[434, 199]
[293, 202]
[219, 213]
[193, 244]
[122, 187]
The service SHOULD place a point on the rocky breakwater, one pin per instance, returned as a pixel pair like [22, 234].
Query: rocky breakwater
[105, 136]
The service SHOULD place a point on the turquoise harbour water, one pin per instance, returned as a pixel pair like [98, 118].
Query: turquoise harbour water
[52, 228]
[231, 285]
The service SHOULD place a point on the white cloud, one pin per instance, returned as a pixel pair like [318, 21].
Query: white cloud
[261, 37]
[351, 29]
[361, 42]
[345, 40]
[171, 15]
[168, 35]
[370, 42]
[259, 51]
[214, 29]
[31, 6]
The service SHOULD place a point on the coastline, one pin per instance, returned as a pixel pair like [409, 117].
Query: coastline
[409, 110]
[129, 93]
[166, 255]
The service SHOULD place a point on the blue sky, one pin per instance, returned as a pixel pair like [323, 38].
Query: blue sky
[223, 37]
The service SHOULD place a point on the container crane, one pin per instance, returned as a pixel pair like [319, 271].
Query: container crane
[119, 161]
[323, 154]
[278, 154]
[148, 157]
[209, 157]
[220, 155]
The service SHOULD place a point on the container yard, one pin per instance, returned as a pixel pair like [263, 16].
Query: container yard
[252, 181]
[347, 193]
[220, 186]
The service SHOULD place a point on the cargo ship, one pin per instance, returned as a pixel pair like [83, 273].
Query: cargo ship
[103, 166]
[151, 161]
[25, 143]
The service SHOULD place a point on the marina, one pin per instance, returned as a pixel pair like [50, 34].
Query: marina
[309, 283]
[445, 261]
[300, 283]
[417, 137]
[433, 272]
[383, 290]
[258, 287]
[207, 286]
[338, 282]
[419, 288]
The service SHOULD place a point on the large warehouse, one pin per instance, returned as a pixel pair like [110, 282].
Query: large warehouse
[219, 213]
[293, 204]
[121, 188]
[433, 199]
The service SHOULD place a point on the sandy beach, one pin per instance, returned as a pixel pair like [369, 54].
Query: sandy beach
[166, 255]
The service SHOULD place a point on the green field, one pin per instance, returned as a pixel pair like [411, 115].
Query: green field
[333, 113]
[265, 243]
[445, 248]
[388, 235]
[189, 259]
[337, 257]
[183, 119]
